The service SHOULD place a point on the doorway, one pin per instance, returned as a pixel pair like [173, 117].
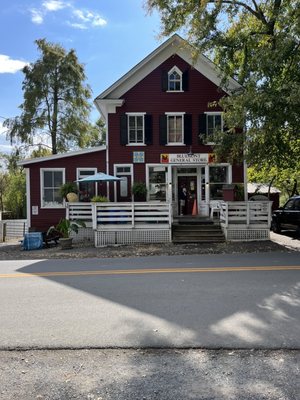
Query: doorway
[187, 193]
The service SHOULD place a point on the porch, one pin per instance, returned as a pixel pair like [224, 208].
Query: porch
[128, 223]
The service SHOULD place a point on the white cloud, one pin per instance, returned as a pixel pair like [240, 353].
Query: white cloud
[10, 66]
[54, 5]
[78, 26]
[36, 16]
[88, 18]
[82, 18]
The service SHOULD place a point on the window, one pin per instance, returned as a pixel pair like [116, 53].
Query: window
[135, 128]
[175, 80]
[175, 129]
[87, 190]
[51, 181]
[213, 123]
[157, 183]
[218, 176]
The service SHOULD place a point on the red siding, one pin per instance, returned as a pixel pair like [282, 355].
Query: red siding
[147, 96]
[49, 216]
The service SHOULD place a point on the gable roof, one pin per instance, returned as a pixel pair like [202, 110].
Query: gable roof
[62, 155]
[174, 45]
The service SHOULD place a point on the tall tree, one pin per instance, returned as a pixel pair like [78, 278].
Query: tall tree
[258, 43]
[55, 100]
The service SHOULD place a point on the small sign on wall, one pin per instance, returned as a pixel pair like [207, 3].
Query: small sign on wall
[138, 157]
[35, 210]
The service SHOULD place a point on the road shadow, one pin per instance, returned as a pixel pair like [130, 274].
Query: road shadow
[208, 310]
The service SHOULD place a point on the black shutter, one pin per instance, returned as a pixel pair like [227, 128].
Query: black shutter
[164, 81]
[188, 139]
[148, 129]
[123, 129]
[202, 128]
[163, 134]
[185, 80]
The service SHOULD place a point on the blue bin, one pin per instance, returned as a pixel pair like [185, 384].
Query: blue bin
[33, 241]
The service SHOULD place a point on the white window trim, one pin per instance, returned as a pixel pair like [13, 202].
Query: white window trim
[87, 169]
[168, 182]
[222, 124]
[176, 69]
[229, 176]
[63, 170]
[175, 114]
[130, 173]
[137, 114]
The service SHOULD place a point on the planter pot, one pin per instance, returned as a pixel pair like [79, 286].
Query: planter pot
[65, 243]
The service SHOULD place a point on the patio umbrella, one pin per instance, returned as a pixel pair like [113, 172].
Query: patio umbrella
[100, 177]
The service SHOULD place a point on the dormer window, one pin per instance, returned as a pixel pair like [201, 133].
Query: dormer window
[175, 80]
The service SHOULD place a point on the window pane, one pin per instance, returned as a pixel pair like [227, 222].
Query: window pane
[48, 195]
[218, 122]
[157, 183]
[48, 179]
[124, 187]
[132, 136]
[57, 178]
[218, 174]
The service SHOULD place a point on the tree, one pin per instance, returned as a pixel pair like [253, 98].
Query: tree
[257, 42]
[55, 100]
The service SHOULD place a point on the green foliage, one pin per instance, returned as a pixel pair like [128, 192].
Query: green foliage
[139, 190]
[14, 195]
[55, 100]
[65, 227]
[68, 187]
[99, 199]
[257, 43]
[283, 179]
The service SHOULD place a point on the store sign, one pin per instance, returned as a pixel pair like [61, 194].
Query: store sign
[185, 158]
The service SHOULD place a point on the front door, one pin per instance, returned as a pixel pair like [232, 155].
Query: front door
[187, 194]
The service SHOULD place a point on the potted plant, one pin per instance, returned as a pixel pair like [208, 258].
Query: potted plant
[139, 191]
[68, 191]
[99, 199]
[65, 227]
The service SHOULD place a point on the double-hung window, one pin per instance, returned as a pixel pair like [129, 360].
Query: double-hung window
[136, 128]
[214, 123]
[175, 128]
[51, 181]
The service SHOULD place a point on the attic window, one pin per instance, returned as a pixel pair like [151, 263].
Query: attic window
[175, 80]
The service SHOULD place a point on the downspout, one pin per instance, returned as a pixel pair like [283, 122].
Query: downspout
[28, 199]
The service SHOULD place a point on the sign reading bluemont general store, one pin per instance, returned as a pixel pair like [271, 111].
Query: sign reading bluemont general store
[185, 158]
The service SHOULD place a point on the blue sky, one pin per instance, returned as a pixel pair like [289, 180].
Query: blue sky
[109, 36]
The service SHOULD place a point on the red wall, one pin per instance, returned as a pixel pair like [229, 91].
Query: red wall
[51, 216]
[147, 96]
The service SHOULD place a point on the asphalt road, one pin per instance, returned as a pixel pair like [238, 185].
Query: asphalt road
[212, 301]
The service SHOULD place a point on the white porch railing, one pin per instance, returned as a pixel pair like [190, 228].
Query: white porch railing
[246, 220]
[123, 223]
[129, 215]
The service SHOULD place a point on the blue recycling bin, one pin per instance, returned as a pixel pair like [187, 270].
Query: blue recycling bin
[32, 241]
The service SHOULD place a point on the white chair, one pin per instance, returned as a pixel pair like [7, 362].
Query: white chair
[215, 207]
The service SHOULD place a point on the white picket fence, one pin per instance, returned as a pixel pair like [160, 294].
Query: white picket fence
[12, 229]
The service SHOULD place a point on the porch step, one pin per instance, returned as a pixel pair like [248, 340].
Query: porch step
[197, 233]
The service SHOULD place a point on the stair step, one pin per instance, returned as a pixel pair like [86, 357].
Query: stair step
[197, 240]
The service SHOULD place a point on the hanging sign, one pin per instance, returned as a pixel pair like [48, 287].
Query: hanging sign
[185, 158]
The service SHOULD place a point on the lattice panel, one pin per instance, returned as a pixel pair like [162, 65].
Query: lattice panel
[103, 238]
[84, 235]
[243, 235]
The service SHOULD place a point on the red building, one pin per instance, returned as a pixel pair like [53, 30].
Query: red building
[160, 131]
